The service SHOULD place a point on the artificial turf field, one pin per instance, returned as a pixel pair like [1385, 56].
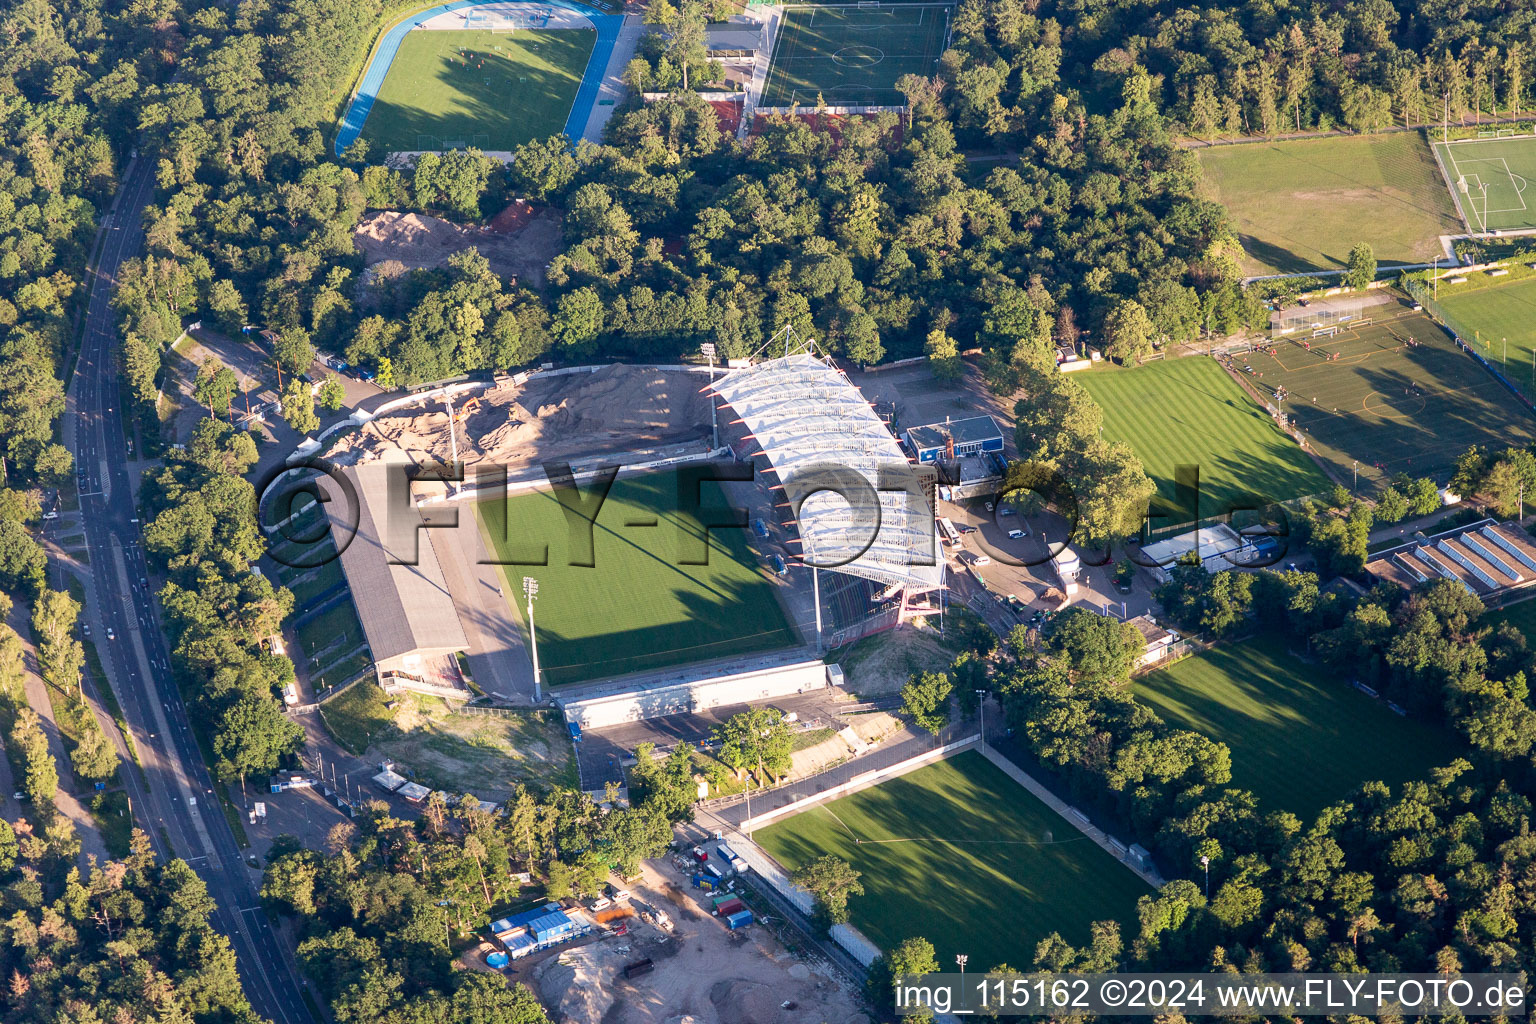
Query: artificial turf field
[1499, 314]
[1298, 742]
[1190, 412]
[1391, 406]
[959, 853]
[1301, 205]
[637, 606]
[847, 55]
[1507, 167]
[485, 89]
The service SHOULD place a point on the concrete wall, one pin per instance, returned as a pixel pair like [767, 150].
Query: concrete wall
[696, 695]
[863, 781]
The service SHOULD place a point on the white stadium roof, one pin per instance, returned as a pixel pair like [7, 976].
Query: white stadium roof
[816, 428]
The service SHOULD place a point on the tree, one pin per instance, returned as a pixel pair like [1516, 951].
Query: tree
[40, 780]
[253, 737]
[215, 386]
[926, 697]
[831, 880]
[909, 956]
[1361, 268]
[943, 355]
[758, 738]
[1096, 647]
[299, 407]
[93, 756]
[1129, 332]
[292, 351]
[332, 393]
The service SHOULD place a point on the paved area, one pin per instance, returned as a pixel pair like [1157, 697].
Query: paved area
[71, 798]
[613, 88]
[601, 752]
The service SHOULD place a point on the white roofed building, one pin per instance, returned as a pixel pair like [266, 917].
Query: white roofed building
[857, 503]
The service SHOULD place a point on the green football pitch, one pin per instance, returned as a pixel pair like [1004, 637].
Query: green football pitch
[1500, 318]
[1491, 181]
[1301, 205]
[638, 605]
[1299, 742]
[853, 55]
[1385, 404]
[960, 854]
[490, 90]
[1189, 412]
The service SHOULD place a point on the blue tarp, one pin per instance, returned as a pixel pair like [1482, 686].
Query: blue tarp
[607, 26]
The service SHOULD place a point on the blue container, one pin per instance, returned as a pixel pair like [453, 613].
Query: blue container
[740, 919]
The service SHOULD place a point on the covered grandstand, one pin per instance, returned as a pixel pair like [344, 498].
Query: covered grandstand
[855, 502]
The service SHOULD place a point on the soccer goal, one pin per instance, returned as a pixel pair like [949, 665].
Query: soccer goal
[1325, 332]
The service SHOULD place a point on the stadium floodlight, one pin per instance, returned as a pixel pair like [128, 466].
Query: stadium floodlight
[708, 349]
[531, 589]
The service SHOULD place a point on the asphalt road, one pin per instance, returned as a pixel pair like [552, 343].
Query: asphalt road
[174, 800]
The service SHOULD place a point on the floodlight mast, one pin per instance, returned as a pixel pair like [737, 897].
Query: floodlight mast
[531, 589]
[708, 348]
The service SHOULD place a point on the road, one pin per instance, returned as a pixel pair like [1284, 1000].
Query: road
[173, 799]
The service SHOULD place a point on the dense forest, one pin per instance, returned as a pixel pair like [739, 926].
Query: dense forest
[127, 940]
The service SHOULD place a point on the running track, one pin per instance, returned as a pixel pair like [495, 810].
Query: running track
[607, 26]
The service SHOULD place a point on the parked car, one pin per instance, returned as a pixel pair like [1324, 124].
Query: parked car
[780, 567]
[1016, 534]
[982, 560]
[990, 506]
[1006, 511]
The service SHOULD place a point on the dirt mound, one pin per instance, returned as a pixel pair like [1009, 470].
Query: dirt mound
[518, 245]
[616, 408]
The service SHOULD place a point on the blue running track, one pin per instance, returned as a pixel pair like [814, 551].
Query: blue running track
[607, 26]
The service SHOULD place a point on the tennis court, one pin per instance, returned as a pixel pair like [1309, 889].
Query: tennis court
[853, 55]
[1491, 181]
[1394, 394]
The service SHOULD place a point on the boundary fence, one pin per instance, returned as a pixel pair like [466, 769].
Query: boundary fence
[1421, 295]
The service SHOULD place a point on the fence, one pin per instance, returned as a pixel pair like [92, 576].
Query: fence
[1423, 296]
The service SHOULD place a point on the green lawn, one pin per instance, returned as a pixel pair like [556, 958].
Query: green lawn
[356, 715]
[1190, 412]
[1500, 318]
[637, 606]
[962, 855]
[483, 89]
[1299, 741]
[1300, 205]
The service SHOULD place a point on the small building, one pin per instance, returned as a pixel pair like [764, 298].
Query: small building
[955, 439]
[415, 792]
[390, 782]
[537, 929]
[1068, 567]
[1218, 547]
[1158, 640]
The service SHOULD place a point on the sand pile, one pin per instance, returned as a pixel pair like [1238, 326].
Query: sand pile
[615, 409]
[521, 250]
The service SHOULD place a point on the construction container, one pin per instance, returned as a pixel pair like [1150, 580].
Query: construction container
[705, 882]
[639, 967]
[729, 907]
[740, 919]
